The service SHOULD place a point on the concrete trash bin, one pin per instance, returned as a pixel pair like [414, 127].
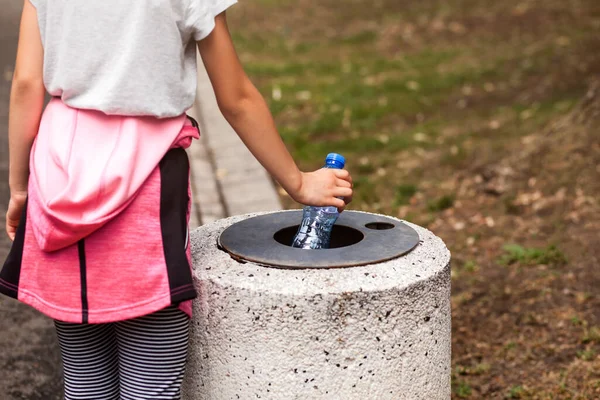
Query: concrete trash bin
[273, 322]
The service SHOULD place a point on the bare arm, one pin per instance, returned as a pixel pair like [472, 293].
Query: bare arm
[26, 105]
[245, 109]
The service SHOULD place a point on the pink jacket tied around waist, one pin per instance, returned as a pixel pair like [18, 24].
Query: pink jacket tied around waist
[86, 167]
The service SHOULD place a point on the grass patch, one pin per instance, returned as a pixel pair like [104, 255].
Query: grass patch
[346, 92]
[510, 346]
[592, 335]
[364, 190]
[462, 389]
[586, 355]
[404, 192]
[470, 266]
[576, 321]
[514, 253]
[441, 204]
[364, 37]
[478, 369]
[516, 392]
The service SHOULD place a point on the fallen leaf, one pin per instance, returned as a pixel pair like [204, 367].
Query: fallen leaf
[420, 137]
[413, 85]
[276, 94]
[383, 138]
[457, 27]
[303, 95]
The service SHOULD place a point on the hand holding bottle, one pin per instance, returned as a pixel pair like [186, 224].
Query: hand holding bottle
[331, 189]
[325, 187]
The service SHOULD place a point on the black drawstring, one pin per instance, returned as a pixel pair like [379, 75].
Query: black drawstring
[194, 122]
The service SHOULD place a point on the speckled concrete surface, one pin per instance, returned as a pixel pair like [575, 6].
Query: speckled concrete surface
[380, 331]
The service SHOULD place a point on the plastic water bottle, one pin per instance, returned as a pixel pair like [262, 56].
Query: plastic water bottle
[315, 230]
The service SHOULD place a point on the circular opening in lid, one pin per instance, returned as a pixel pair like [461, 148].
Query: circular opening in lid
[341, 236]
[380, 226]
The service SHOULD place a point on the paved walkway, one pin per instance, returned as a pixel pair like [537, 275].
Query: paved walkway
[226, 178]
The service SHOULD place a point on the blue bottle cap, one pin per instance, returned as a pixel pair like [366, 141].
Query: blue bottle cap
[335, 160]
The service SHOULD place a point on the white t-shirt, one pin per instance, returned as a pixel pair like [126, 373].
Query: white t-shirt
[125, 57]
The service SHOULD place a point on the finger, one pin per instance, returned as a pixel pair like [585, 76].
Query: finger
[342, 192]
[12, 224]
[343, 183]
[342, 207]
[339, 203]
[341, 173]
[10, 231]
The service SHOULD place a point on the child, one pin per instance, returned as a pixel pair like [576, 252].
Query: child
[99, 182]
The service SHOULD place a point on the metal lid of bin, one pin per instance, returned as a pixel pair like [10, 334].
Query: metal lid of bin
[357, 239]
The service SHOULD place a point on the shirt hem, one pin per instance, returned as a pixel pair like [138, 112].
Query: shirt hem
[102, 316]
[210, 19]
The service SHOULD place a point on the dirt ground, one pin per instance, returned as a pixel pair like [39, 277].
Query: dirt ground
[527, 327]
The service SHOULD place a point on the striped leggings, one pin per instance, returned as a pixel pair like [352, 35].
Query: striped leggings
[141, 358]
